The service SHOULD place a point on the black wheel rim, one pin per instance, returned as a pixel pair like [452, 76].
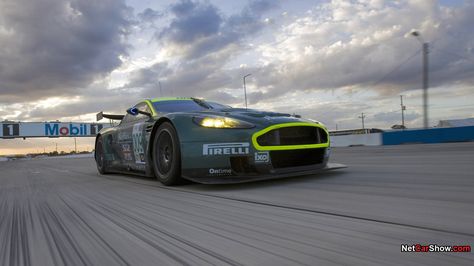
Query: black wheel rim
[164, 152]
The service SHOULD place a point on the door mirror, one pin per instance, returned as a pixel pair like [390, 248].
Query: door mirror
[132, 111]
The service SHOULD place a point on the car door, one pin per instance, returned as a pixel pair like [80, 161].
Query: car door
[130, 144]
[122, 143]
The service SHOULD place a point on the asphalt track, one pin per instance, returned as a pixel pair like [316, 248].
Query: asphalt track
[61, 212]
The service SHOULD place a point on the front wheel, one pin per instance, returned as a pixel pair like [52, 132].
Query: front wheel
[167, 155]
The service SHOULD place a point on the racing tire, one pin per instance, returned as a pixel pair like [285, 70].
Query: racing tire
[166, 156]
[100, 157]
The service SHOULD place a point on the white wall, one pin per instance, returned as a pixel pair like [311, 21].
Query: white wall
[374, 139]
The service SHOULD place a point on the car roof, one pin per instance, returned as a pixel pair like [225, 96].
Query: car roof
[162, 99]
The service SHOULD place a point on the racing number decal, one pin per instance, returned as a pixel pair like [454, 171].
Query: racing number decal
[137, 137]
[11, 130]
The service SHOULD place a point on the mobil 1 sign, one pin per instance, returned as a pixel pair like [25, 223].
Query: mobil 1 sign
[71, 129]
[49, 129]
[10, 129]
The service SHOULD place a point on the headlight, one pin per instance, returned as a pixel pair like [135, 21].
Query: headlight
[221, 122]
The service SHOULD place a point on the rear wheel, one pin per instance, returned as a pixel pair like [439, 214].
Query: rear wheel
[167, 155]
[100, 157]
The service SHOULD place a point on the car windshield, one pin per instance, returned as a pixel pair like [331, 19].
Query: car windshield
[219, 106]
[181, 106]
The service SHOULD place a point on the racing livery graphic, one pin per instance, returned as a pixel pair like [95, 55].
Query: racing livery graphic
[207, 142]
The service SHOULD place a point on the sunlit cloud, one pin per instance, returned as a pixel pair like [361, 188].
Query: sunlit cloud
[327, 60]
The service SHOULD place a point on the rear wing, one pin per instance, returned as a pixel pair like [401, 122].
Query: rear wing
[101, 115]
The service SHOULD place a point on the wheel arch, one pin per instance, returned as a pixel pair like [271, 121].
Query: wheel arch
[106, 138]
[95, 145]
[157, 124]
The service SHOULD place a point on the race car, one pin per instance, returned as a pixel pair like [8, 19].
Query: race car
[208, 142]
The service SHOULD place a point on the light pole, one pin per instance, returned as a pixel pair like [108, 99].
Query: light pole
[403, 110]
[425, 76]
[245, 90]
[362, 116]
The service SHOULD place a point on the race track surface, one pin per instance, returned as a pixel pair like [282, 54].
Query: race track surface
[60, 211]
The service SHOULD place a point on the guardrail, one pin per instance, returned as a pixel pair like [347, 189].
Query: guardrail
[413, 136]
[374, 139]
[432, 135]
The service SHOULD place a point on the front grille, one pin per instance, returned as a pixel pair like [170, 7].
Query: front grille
[294, 158]
[299, 135]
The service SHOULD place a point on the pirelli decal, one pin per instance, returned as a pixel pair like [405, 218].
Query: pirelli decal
[239, 148]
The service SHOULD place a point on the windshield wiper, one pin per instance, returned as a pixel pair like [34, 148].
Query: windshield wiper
[202, 103]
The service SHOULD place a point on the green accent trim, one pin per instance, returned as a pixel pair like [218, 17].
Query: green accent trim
[288, 147]
[170, 99]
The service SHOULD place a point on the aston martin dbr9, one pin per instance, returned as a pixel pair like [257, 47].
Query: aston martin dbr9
[207, 142]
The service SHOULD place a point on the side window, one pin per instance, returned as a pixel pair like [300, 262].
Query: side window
[130, 118]
[143, 107]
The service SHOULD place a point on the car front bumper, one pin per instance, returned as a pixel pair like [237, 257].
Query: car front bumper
[289, 172]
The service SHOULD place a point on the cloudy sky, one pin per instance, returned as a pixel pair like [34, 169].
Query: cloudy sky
[326, 60]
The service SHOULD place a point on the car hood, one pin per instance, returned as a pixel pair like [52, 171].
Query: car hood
[256, 117]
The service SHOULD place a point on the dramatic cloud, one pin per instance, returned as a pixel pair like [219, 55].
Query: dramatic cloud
[198, 28]
[358, 45]
[193, 21]
[149, 15]
[53, 47]
[70, 59]
[365, 45]
[201, 41]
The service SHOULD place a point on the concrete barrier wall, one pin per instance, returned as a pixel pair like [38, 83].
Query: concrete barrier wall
[374, 139]
[432, 135]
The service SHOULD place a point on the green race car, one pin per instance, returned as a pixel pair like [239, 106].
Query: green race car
[207, 142]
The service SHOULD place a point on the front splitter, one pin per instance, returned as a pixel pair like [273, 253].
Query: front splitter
[253, 178]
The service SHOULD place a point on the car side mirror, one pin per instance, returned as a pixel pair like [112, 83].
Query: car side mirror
[132, 111]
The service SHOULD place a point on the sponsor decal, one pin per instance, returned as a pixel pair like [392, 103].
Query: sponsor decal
[262, 157]
[124, 136]
[54, 129]
[126, 148]
[127, 152]
[239, 148]
[137, 137]
[10, 130]
[140, 167]
[220, 171]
